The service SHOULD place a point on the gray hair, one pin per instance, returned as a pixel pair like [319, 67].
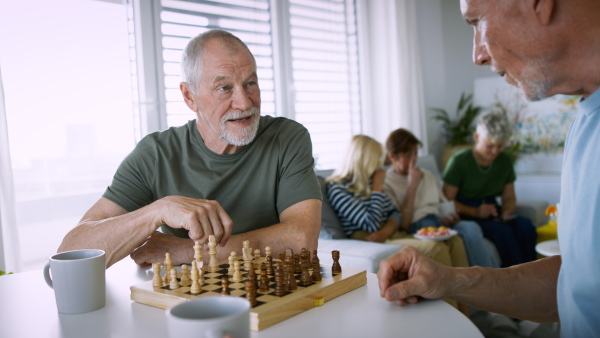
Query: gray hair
[191, 65]
[495, 126]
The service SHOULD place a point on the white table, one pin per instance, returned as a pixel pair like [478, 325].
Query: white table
[548, 248]
[28, 309]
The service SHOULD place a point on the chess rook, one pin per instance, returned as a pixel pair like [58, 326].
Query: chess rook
[336, 267]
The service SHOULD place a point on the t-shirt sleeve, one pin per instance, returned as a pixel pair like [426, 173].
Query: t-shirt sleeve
[453, 174]
[130, 187]
[298, 180]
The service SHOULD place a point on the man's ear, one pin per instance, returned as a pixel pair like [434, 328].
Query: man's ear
[544, 10]
[188, 96]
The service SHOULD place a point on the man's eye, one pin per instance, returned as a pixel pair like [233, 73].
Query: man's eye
[252, 83]
[224, 88]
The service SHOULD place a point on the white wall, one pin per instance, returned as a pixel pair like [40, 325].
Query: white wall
[446, 44]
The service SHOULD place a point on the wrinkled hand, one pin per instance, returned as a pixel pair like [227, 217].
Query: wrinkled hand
[200, 217]
[486, 210]
[157, 245]
[408, 275]
[450, 219]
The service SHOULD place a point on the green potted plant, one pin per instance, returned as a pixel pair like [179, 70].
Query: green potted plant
[458, 130]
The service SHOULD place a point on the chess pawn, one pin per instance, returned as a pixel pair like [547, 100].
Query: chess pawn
[225, 286]
[291, 280]
[237, 274]
[297, 267]
[257, 255]
[250, 292]
[267, 251]
[174, 284]
[157, 280]
[279, 283]
[231, 260]
[185, 277]
[252, 274]
[264, 279]
[196, 287]
[336, 267]
[212, 251]
[198, 254]
[201, 277]
[305, 278]
[168, 266]
[270, 266]
[316, 273]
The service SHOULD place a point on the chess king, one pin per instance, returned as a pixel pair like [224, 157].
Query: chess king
[231, 172]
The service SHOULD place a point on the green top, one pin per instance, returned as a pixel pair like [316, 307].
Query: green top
[253, 185]
[475, 181]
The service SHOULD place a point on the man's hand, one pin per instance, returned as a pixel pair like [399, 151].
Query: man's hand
[415, 174]
[408, 275]
[157, 245]
[200, 217]
[486, 210]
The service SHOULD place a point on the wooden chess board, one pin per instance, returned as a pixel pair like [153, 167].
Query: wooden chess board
[270, 309]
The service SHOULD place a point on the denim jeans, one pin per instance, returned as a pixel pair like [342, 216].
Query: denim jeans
[478, 252]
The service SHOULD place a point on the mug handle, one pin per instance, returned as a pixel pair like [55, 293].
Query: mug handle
[47, 275]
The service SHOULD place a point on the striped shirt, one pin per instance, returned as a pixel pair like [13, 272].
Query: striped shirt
[357, 213]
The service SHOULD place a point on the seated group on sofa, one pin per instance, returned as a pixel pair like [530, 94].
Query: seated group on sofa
[389, 206]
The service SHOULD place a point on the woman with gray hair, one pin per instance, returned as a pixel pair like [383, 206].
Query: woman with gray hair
[475, 177]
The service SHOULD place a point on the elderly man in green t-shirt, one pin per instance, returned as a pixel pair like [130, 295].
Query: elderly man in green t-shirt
[230, 173]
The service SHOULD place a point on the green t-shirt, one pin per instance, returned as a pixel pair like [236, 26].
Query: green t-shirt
[253, 185]
[478, 182]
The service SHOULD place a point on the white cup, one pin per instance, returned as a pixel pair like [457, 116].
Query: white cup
[446, 208]
[208, 317]
[78, 279]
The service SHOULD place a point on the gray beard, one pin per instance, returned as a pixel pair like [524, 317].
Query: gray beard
[244, 136]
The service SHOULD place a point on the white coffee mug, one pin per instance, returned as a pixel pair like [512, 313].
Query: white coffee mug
[447, 208]
[78, 279]
[211, 316]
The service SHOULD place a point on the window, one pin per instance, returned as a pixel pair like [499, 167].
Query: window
[306, 53]
[67, 86]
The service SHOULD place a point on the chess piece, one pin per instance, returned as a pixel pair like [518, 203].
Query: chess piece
[264, 279]
[185, 277]
[316, 265]
[196, 287]
[252, 275]
[231, 260]
[174, 284]
[305, 278]
[279, 284]
[168, 267]
[201, 277]
[237, 274]
[257, 255]
[267, 251]
[270, 266]
[336, 267]
[297, 268]
[250, 292]
[247, 255]
[225, 286]
[157, 279]
[198, 254]
[289, 270]
[213, 265]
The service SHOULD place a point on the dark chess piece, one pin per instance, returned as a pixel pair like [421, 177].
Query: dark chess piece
[297, 267]
[225, 286]
[250, 292]
[264, 279]
[279, 284]
[270, 266]
[289, 271]
[316, 265]
[336, 267]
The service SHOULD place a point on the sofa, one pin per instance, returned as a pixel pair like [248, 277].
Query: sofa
[367, 255]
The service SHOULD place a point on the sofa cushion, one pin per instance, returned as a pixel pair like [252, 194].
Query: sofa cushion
[330, 224]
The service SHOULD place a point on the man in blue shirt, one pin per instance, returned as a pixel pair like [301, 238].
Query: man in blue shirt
[543, 47]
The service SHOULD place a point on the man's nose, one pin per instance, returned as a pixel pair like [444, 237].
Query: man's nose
[481, 57]
[240, 100]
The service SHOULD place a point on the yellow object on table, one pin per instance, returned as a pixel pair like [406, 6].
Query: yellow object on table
[546, 232]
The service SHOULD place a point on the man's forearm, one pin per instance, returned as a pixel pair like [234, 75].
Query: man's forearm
[118, 236]
[526, 291]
